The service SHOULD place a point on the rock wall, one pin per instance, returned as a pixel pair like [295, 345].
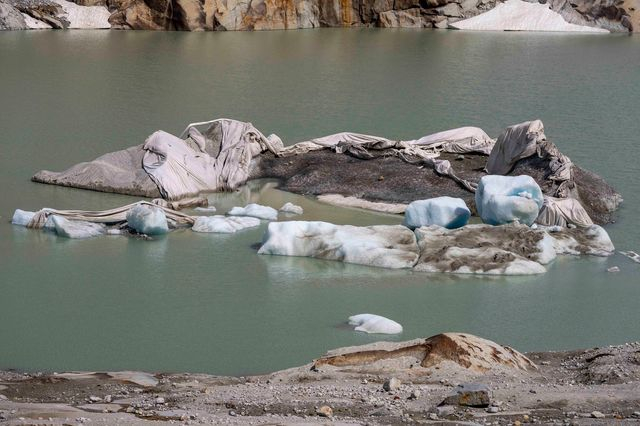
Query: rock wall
[209, 15]
[243, 15]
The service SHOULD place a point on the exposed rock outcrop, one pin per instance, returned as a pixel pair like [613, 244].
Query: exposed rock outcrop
[199, 15]
[11, 18]
[463, 350]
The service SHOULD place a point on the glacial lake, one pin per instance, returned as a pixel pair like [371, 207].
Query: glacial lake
[209, 303]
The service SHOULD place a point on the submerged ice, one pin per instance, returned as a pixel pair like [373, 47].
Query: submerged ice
[255, 210]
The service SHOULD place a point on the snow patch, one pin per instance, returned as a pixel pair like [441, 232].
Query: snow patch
[518, 15]
[87, 17]
[35, 24]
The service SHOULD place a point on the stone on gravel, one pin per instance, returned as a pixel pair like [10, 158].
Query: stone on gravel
[391, 384]
[597, 415]
[325, 411]
[469, 395]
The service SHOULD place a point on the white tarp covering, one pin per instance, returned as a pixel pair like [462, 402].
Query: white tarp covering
[514, 143]
[518, 15]
[562, 212]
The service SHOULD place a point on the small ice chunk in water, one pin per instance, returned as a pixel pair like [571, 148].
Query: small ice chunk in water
[209, 209]
[77, 228]
[147, 220]
[224, 225]
[370, 323]
[255, 210]
[447, 212]
[291, 208]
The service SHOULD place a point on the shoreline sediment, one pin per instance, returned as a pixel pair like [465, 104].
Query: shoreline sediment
[593, 386]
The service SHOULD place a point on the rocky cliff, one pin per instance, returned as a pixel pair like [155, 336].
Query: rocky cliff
[231, 15]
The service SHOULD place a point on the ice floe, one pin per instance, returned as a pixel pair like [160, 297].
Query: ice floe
[224, 224]
[77, 228]
[370, 323]
[387, 246]
[255, 210]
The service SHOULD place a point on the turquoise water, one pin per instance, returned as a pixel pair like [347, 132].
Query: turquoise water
[209, 303]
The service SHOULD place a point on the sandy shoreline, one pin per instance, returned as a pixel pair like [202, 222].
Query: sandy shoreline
[594, 386]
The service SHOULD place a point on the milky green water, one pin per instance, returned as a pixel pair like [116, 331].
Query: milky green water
[209, 303]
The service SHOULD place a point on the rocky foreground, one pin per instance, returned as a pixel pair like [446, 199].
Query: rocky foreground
[447, 379]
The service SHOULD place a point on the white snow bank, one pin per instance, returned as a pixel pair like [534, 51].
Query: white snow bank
[255, 210]
[35, 24]
[518, 15]
[448, 212]
[89, 17]
[223, 224]
[77, 228]
[386, 246]
[370, 323]
[291, 208]
[147, 219]
[506, 199]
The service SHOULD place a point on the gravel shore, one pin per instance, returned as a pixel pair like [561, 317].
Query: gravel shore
[595, 386]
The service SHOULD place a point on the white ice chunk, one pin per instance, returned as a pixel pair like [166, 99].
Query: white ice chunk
[147, 220]
[23, 217]
[500, 200]
[291, 208]
[386, 246]
[255, 210]
[223, 224]
[447, 212]
[370, 323]
[77, 228]
[210, 209]
[518, 15]
[93, 17]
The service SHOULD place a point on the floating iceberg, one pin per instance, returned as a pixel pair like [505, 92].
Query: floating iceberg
[447, 212]
[223, 224]
[370, 323]
[255, 210]
[518, 15]
[77, 228]
[507, 199]
[147, 219]
[291, 208]
[386, 246]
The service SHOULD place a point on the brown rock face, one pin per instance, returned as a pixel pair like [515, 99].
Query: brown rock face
[465, 350]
